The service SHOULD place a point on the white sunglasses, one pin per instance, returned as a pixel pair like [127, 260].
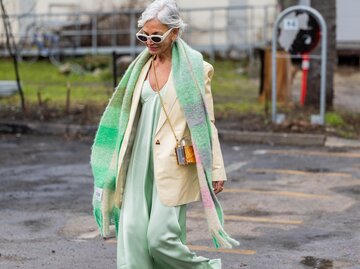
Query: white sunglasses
[157, 39]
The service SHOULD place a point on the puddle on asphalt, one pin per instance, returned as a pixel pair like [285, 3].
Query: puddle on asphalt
[317, 170]
[317, 263]
[37, 225]
[352, 191]
[255, 213]
[334, 149]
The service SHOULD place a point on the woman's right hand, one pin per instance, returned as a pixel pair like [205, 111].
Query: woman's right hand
[218, 186]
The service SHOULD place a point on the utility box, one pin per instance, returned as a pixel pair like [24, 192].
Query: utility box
[8, 88]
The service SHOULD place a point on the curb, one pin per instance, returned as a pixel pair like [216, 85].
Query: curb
[336, 142]
[307, 140]
[282, 139]
[43, 128]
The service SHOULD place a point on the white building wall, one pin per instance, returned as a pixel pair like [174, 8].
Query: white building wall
[200, 22]
[252, 21]
[348, 20]
[11, 8]
[45, 6]
[237, 26]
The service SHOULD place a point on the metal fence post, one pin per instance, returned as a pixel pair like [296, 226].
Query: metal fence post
[115, 73]
[266, 18]
[273, 72]
[211, 32]
[77, 27]
[132, 31]
[94, 34]
[315, 119]
[113, 30]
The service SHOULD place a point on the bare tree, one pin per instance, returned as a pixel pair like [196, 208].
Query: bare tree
[328, 11]
[11, 46]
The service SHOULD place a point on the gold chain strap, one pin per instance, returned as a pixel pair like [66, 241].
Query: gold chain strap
[162, 102]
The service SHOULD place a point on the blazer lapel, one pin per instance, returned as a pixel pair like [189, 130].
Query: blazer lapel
[133, 109]
[169, 99]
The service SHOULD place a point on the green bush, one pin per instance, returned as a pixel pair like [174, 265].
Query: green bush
[92, 62]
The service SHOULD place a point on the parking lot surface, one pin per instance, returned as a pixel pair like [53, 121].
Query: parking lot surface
[289, 207]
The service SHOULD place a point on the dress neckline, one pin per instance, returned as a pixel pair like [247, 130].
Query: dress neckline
[148, 80]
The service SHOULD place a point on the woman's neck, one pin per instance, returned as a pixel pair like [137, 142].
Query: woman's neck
[163, 57]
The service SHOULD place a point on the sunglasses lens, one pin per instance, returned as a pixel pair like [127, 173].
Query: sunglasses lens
[142, 38]
[156, 39]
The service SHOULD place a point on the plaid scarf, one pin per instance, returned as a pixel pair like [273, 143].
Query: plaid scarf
[188, 75]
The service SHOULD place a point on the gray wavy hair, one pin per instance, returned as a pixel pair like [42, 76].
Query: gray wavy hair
[166, 11]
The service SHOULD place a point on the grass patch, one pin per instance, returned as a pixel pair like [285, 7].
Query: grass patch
[343, 124]
[235, 98]
[334, 119]
[45, 78]
[233, 92]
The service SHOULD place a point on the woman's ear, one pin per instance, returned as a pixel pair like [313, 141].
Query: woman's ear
[175, 34]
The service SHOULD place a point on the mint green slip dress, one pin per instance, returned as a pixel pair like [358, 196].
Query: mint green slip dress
[151, 235]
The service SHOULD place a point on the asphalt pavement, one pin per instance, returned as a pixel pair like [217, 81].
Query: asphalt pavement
[289, 206]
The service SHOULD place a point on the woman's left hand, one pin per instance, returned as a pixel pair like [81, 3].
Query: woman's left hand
[218, 186]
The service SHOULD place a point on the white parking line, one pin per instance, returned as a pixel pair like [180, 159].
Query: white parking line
[89, 235]
[207, 249]
[234, 166]
[315, 153]
[278, 193]
[250, 219]
[296, 172]
[232, 251]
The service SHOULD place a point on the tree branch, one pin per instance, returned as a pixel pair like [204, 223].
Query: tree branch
[12, 48]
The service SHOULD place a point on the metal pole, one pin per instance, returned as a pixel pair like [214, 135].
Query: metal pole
[94, 34]
[189, 23]
[323, 68]
[274, 70]
[113, 30]
[114, 56]
[211, 31]
[132, 34]
[266, 18]
[78, 31]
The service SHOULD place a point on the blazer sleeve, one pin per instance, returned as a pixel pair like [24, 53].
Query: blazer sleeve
[218, 169]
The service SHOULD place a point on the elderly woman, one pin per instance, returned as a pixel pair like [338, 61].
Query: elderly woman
[157, 150]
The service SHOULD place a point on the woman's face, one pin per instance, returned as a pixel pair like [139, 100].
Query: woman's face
[155, 27]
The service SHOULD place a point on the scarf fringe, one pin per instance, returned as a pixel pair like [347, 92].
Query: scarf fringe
[222, 240]
[99, 220]
[213, 211]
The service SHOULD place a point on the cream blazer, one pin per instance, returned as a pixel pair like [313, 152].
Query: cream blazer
[176, 185]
